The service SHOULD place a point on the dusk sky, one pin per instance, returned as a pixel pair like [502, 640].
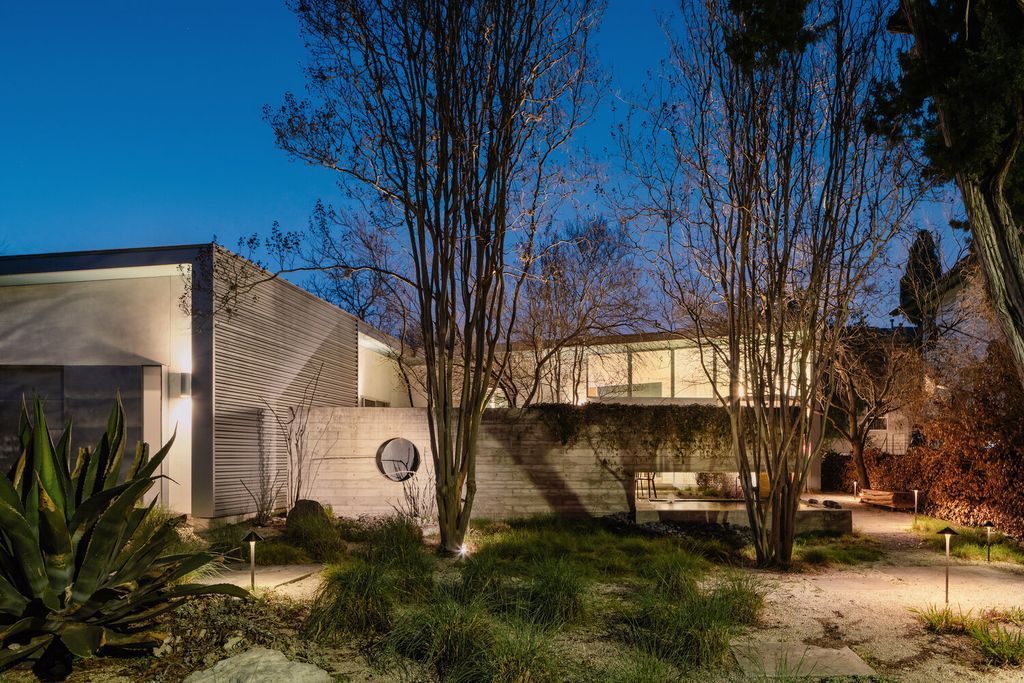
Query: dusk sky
[139, 123]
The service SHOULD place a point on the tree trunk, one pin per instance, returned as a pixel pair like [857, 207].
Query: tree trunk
[857, 453]
[1000, 251]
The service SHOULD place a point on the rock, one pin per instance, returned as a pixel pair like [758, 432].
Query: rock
[305, 509]
[230, 643]
[832, 505]
[260, 664]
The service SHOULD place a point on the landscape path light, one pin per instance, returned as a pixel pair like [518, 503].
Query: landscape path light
[989, 526]
[251, 539]
[854, 488]
[915, 507]
[949, 534]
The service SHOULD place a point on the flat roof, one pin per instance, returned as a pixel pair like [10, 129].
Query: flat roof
[56, 262]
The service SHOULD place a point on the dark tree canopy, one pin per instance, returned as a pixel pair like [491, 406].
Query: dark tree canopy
[973, 64]
[920, 278]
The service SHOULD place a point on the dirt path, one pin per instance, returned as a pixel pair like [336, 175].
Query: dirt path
[869, 607]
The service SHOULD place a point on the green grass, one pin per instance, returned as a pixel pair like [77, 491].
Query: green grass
[274, 552]
[969, 543]
[591, 550]
[553, 596]
[353, 599]
[316, 535]
[692, 629]
[827, 551]
[1000, 645]
[639, 666]
[996, 634]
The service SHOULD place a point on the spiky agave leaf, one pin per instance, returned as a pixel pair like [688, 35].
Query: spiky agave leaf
[76, 572]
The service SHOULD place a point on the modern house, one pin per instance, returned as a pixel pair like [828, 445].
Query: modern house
[204, 345]
[76, 328]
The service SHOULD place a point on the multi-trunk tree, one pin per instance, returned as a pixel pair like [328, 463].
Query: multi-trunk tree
[448, 125]
[774, 204]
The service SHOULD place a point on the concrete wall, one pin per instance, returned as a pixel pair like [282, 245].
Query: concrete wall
[73, 322]
[521, 468]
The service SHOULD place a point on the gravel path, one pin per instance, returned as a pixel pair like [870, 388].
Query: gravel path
[869, 607]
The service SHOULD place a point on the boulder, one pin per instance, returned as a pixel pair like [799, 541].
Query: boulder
[305, 509]
[260, 664]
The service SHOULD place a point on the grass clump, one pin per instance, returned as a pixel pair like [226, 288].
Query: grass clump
[692, 629]
[999, 644]
[943, 620]
[640, 667]
[553, 596]
[826, 551]
[353, 599]
[352, 530]
[675, 570]
[396, 543]
[272, 552]
[453, 638]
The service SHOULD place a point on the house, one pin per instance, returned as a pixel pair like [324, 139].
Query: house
[76, 328]
[203, 345]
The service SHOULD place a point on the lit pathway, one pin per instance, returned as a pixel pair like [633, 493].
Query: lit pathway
[868, 607]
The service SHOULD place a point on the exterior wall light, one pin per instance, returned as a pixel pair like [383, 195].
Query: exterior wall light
[181, 385]
[251, 539]
[949, 534]
[989, 526]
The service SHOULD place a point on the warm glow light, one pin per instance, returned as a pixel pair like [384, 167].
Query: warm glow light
[463, 550]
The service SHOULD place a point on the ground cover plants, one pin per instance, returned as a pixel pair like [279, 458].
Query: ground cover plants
[998, 635]
[538, 599]
[970, 542]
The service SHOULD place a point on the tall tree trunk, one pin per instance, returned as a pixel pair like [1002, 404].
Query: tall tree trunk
[857, 453]
[1000, 250]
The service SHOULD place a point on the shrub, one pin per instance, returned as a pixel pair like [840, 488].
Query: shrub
[317, 535]
[353, 599]
[272, 552]
[81, 568]
[553, 596]
[352, 530]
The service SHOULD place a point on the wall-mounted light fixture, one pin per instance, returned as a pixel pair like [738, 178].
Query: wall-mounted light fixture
[181, 384]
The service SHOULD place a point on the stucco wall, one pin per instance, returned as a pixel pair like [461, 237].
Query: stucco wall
[521, 468]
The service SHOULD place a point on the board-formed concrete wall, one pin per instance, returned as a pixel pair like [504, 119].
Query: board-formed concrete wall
[522, 469]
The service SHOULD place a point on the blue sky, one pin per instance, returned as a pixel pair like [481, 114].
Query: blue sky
[139, 123]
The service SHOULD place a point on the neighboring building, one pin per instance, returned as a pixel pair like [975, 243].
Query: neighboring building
[76, 328]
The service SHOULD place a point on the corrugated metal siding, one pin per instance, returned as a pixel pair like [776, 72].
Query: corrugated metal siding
[270, 349]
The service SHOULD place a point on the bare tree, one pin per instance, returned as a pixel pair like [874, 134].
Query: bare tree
[293, 423]
[773, 203]
[270, 479]
[585, 282]
[446, 123]
[876, 372]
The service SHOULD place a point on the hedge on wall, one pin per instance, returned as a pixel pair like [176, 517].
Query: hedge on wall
[693, 429]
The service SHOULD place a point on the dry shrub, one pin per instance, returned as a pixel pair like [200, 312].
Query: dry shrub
[969, 465]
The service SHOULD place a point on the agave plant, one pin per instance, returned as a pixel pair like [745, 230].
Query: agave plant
[78, 569]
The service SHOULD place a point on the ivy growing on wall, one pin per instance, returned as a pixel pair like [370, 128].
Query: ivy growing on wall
[677, 430]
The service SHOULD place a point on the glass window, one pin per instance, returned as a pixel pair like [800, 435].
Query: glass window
[652, 374]
[608, 375]
[691, 378]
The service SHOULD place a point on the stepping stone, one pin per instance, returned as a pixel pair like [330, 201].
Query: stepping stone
[260, 664]
[789, 660]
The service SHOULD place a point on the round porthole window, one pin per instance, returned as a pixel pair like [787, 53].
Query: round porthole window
[398, 459]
